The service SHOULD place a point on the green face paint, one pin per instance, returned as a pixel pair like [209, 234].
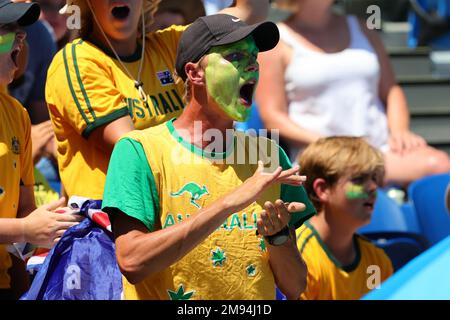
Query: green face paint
[7, 42]
[230, 81]
[355, 191]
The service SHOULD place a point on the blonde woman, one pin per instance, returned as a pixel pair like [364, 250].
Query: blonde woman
[330, 75]
[115, 78]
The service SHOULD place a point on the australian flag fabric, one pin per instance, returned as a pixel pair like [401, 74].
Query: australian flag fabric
[82, 265]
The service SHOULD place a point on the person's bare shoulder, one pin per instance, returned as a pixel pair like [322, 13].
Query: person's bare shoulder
[283, 51]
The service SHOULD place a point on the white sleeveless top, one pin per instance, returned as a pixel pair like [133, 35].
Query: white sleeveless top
[337, 93]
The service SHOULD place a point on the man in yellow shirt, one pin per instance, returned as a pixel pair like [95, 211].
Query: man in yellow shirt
[195, 222]
[37, 226]
[343, 176]
[115, 78]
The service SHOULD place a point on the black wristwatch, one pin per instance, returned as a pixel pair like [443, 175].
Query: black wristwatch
[279, 238]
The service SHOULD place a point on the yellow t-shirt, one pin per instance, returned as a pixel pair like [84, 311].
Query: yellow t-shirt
[87, 88]
[232, 262]
[328, 279]
[16, 166]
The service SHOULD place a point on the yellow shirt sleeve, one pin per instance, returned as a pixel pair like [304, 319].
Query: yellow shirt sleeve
[81, 88]
[26, 159]
[170, 36]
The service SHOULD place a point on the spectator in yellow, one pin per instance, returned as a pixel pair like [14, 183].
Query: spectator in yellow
[343, 176]
[115, 78]
[20, 221]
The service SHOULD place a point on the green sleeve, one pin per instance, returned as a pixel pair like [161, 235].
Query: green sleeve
[295, 194]
[130, 186]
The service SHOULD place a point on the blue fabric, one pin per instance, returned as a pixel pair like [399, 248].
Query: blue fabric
[254, 122]
[279, 295]
[82, 266]
[425, 277]
[48, 170]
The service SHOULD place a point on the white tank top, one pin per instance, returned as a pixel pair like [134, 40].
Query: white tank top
[337, 93]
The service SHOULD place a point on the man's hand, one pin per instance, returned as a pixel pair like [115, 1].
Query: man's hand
[276, 216]
[43, 227]
[253, 187]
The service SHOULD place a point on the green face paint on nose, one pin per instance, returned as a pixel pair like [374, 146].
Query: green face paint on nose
[231, 77]
[7, 42]
[354, 191]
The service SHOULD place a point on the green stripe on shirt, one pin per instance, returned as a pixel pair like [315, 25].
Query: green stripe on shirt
[80, 82]
[72, 91]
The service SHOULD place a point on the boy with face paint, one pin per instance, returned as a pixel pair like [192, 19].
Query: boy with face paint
[20, 221]
[208, 227]
[343, 176]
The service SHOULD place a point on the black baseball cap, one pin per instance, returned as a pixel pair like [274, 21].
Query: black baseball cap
[22, 13]
[220, 29]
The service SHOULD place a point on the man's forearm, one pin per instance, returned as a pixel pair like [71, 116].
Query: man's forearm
[11, 230]
[250, 11]
[288, 268]
[140, 255]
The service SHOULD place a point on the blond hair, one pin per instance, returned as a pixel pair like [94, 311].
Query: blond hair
[335, 157]
[150, 7]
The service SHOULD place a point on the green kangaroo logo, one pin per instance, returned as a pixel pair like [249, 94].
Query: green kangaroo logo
[195, 191]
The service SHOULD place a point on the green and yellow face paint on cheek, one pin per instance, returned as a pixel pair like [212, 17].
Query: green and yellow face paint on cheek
[7, 42]
[230, 79]
[355, 191]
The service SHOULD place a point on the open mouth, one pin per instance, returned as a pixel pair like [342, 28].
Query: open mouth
[121, 12]
[369, 205]
[246, 93]
[15, 56]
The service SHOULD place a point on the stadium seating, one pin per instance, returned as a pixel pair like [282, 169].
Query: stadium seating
[427, 195]
[430, 24]
[400, 249]
[422, 278]
[387, 216]
[396, 230]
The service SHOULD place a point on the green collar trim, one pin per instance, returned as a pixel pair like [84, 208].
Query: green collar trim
[198, 151]
[349, 268]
